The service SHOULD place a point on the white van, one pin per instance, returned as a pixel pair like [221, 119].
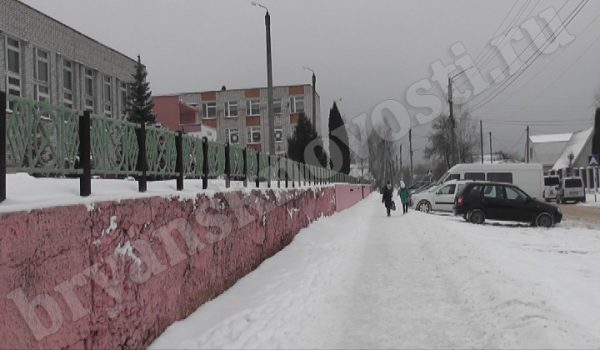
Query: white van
[551, 182]
[571, 189]
[528, 176]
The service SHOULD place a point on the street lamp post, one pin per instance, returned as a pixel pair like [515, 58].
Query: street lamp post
[314, 96]
[271, 119]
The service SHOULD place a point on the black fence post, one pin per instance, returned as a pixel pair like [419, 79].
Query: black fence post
[293, 174]
[245, 167]
[227, 166]
[2, 146]
[85, 181]
[143, 160]
[270, 170]
[204, 163]
[278, 172]
[287, 177]
[179, 163]
[257, 169]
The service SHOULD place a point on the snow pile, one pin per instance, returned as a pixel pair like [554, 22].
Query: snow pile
[361, 280]
[25, 192]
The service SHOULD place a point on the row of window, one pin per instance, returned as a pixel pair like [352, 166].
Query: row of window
[481, 176]
[41, 78]
[231, 108]
[253, 135]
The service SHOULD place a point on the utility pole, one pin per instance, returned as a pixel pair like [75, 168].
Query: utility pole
[314, 100]
[452, 122]
[410, 149]
[401, 172]
[481, 136]
[491, 153]
[527, 145]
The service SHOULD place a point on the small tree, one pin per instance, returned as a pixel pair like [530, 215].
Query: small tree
[140, 107]
[305, 145]
[339, 149]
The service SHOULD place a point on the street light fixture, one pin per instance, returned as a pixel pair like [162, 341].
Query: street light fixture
[270, 117]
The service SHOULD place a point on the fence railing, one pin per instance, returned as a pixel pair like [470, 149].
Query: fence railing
[46, 140]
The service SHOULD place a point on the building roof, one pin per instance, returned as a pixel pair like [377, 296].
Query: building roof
[575, 146]
[565, 137]
[236, 89]
[74, 30]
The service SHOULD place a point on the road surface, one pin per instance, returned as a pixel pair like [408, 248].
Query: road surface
[362, 280]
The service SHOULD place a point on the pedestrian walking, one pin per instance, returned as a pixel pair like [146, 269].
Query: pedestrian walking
[404, 194]
[387, 193]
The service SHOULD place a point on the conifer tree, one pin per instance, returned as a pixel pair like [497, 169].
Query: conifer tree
[140, 107]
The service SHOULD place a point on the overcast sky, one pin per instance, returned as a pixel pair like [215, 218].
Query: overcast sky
[364, 52]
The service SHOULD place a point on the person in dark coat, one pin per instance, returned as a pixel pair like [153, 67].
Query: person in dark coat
[404, 194]
[387, 192]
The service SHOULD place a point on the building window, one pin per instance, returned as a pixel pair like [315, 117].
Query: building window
[89, 89]
[277, 106]
[278, 135]
[68, 83]
[123, 98]
[107, 95]
[252, 107]
[253, 135]
[297, 104]
[231, 109]
[232, 136]
[13, 66]
[209, 110]
[41, 75]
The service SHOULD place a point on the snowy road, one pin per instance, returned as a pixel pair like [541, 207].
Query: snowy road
[362, 280]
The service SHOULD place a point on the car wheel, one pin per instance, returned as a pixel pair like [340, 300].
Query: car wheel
[476, 217]
[424, 207]
[544, 220]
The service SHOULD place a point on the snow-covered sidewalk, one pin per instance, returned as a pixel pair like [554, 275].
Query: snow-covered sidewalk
[362, 280]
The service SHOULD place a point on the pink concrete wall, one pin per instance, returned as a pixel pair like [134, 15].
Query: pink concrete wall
[346, 195]
[117, 275]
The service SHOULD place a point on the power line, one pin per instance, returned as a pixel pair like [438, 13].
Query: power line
[503, 40]
[513, 77]
[534, 57]
[554, 59]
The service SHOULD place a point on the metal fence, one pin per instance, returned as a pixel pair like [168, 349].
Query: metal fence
[46, 140]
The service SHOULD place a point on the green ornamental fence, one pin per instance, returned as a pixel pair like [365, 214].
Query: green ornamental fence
[46, 140]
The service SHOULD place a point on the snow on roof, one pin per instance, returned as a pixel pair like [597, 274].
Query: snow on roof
[575, 146]
[551, 138]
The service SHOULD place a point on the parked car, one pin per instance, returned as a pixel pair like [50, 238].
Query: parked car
[528, 176]
[480, 201]
[550, 184]
[438, 198]
[570, 189]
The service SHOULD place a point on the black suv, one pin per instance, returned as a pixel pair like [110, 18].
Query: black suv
[501, 201]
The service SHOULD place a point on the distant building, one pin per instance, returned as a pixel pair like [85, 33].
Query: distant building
[172, 113]
[176, 115]
[553, 150]
[44, 59]
[240, 115]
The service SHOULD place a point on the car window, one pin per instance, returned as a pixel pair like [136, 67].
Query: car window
[500, 177]
[573, 183]
[474, 190]
[475, 176]
[551, 181]
[447, 189]
[493, 191]
[513, 194]
[452, 177]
